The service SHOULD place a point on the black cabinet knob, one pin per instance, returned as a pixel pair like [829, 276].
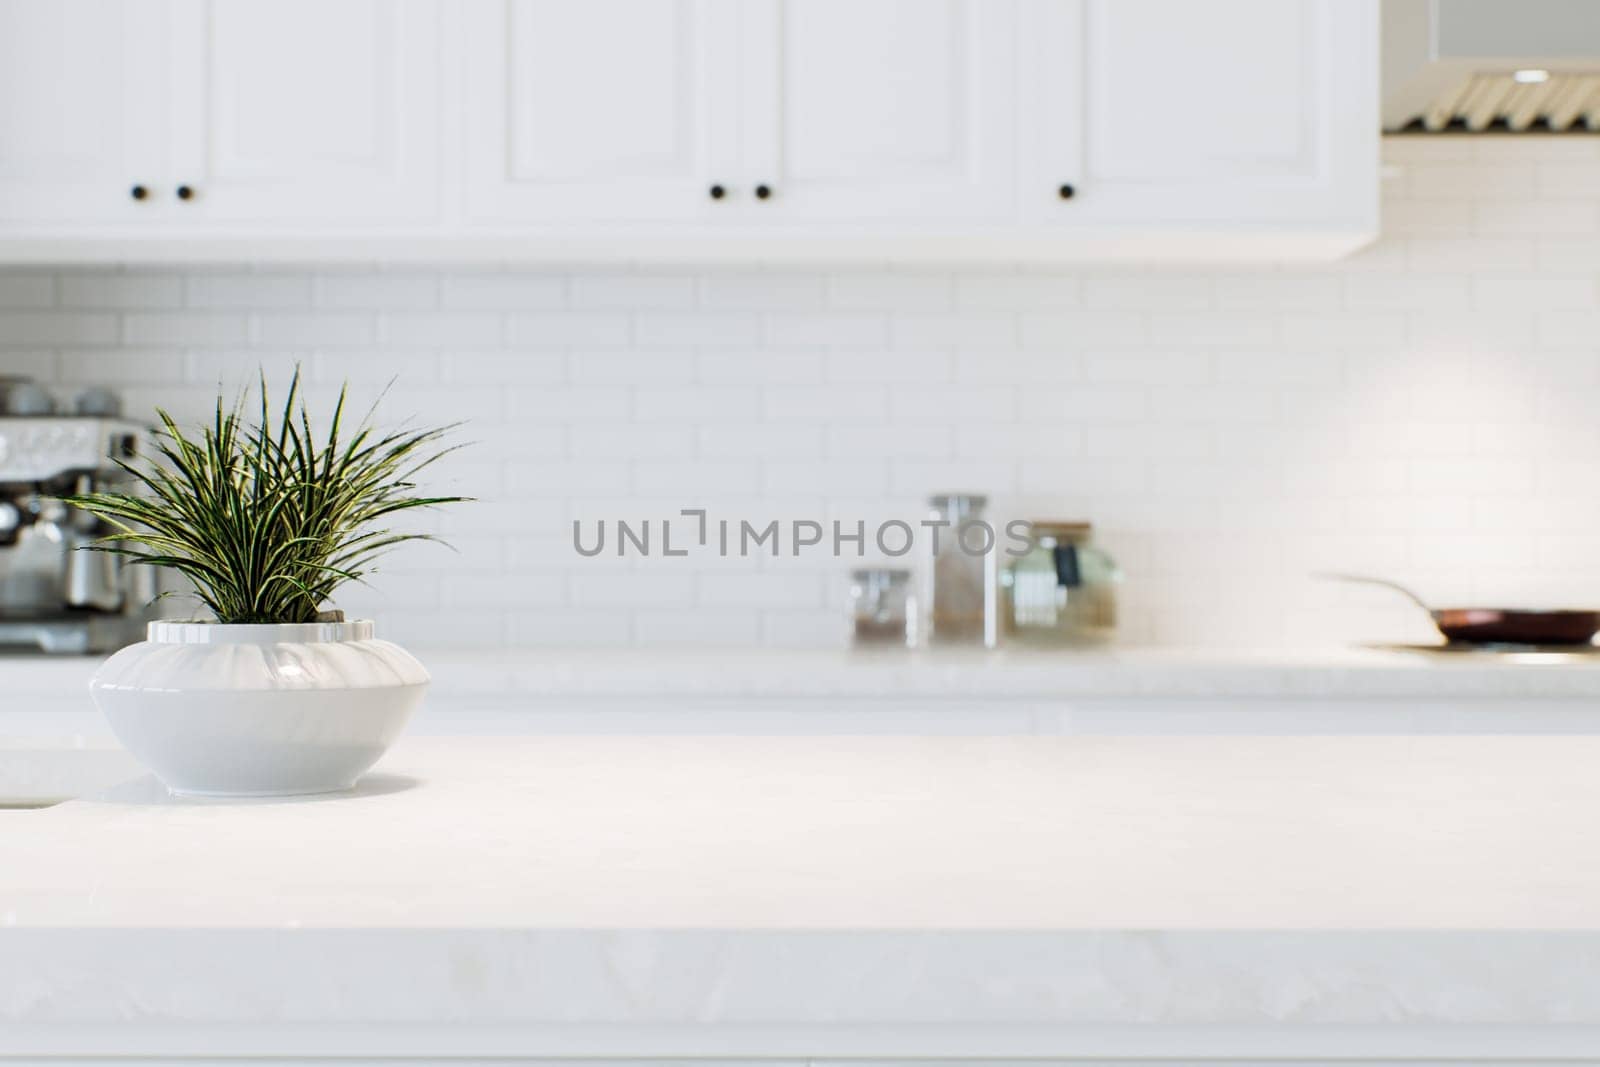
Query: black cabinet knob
[1066, 192]
[763, 192]
[718, 192]
[185, 192]
[139, 192]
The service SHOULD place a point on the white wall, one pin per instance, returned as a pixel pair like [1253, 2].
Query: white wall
[1425, 410]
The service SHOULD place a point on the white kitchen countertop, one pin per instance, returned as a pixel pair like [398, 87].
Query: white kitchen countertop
[483, 676]
[795, 896]
[849, 833]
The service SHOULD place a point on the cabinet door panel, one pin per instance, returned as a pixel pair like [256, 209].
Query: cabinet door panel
[301, 109]
[81, 118]
[1248, 110]
[604, 110]
[866, 109]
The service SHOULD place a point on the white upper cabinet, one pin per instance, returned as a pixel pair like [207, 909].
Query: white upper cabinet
[287, 111]
[688, 130]
[860, 111]
[81, 112]
[1247, 113]
[605, 111]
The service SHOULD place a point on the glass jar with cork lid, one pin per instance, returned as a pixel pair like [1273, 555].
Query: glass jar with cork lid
[1062, 590]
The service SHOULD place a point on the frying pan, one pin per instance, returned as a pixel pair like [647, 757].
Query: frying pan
[1497, 626]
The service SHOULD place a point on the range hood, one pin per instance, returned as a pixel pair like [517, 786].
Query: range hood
[1491, 66]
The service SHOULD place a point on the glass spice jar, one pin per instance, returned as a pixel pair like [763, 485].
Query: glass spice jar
[883, 611]
[960, 571]
[1062, 590]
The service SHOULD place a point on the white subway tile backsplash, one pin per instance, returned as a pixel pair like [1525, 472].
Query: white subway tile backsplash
[1456, 254]
[1287, 366]
[1007, 441]
[1275, 292]
[1076, 329]
[1217, 328]
[534, 366]
[130, 367]
[631, 292]
[1424, 408]
[569, 403]
[1042, 291]
[503, 292]
[639, 367]
[776, 367]
[1033, 367]
[1542, 293]
[923, 477]
[407, 369]
[1148, 292]
[438, 329]
[767, 590]
[916, 366]
[276, 329]
[786, 478]
[1449, 335]
[1447, 180]
[401, 293]
[140, 291]
[1541, 149]
[1350, 328]
[697, 476]
[973, 329]
[921, 292]
[826, 403]
[805, 629]
[697, 331]
[1149, 366]
[1085, 404]
[254, 292]
[1537, 216]
[1089, 490]
[568, 477]
[952, 403]
[1426, 217]
[570, 627]
[626, 440]
[1563, 178]
[1369, 292]
[757, 291]
[696, 403]
[41, 365]
[867, 443]
[1568, 328]
[1562, 255]
[27, 290]
[416, 400]
[499, 588]
[1132, 439]
[826, 330]
[698, 627]
[1212, 404]
[760, 441]
[657, 588]
[565, 331]
[32, 328]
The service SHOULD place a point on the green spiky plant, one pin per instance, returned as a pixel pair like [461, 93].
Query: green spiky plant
[267, 519]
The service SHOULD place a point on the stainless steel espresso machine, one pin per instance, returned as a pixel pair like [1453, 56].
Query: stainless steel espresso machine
[52, 597]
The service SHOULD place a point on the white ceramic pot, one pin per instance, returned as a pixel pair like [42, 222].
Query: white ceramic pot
[271, 710]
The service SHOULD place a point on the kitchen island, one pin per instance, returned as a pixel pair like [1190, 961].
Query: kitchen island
[815, 898]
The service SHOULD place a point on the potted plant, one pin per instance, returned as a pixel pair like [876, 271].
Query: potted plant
[275, 694]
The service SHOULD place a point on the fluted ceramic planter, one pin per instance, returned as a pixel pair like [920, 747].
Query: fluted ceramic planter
[270, 710]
